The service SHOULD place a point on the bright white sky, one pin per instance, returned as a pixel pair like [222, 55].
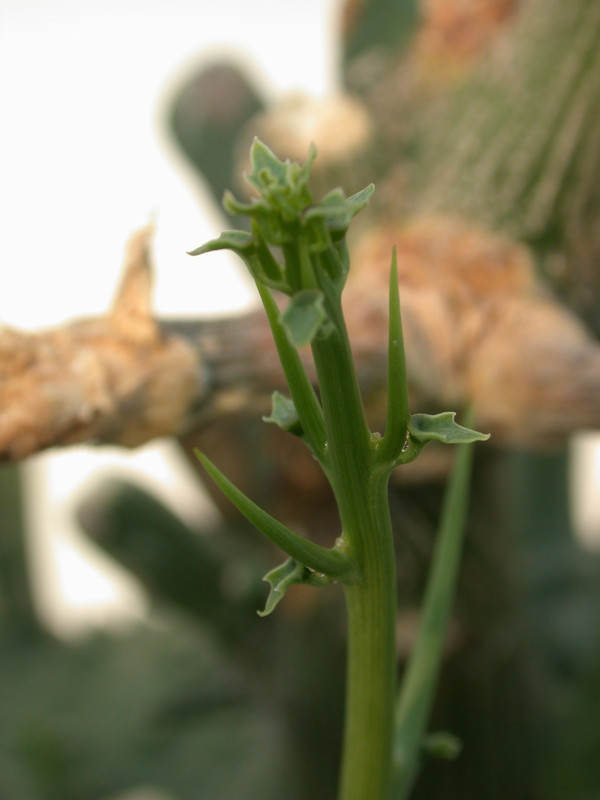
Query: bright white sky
[84, 160]
[83, 156]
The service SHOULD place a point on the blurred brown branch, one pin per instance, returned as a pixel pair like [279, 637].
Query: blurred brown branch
[449, 145]
[479, 330]
[116, 378]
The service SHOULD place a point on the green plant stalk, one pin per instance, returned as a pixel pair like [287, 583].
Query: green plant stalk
[371, 665]
[420, 680]
[357, 463]
[361, 493]
[301, 389]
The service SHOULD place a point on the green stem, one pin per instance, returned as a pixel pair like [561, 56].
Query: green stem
[304, 397]
[371, 670]
[420, 680]
[361, 492]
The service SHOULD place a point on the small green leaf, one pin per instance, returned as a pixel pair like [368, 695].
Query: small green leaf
[234, 206]
[282, 185]
[338, 210]
[300, 173]
[442, 428]
[442, 745]
[240, 242]
[302, 391]
[281, 578]
[284, 414]
[264, 160]
[362, 198]
[304, 316]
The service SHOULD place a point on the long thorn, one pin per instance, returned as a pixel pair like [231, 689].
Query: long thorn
[397, 404]
[332, 562]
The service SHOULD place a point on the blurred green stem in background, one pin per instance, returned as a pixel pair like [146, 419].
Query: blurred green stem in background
[417, 691]
[16, 606]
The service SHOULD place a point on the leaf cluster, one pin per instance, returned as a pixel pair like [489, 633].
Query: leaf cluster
[297, 246]
[285, 220]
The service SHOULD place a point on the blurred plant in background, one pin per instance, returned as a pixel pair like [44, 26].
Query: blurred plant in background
[480, 124]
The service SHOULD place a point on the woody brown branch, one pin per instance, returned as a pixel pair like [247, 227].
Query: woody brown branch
[479, 330]
[117, 378]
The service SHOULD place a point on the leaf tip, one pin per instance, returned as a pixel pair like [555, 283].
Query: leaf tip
[201, 458]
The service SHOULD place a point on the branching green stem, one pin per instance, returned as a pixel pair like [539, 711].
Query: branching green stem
[312, 238]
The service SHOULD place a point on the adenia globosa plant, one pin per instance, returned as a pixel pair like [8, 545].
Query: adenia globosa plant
[297, 246]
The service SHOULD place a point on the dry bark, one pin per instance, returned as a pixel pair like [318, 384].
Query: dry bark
[116, 378]
[479, 330]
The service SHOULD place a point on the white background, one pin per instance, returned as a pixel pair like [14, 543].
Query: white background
[84, 160]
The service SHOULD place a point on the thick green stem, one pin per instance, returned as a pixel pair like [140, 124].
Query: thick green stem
[361, 493]
[348, 437]
[371, 671]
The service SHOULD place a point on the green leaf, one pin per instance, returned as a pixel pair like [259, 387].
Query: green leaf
[361, 198]
[442, 428]
[304, 316]
[234, 206]
[338, 210]
[284, 414]
[298, 174]
[283, 576]
[240, 242]
[442, 745]
[282, 185]
[264, 160]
